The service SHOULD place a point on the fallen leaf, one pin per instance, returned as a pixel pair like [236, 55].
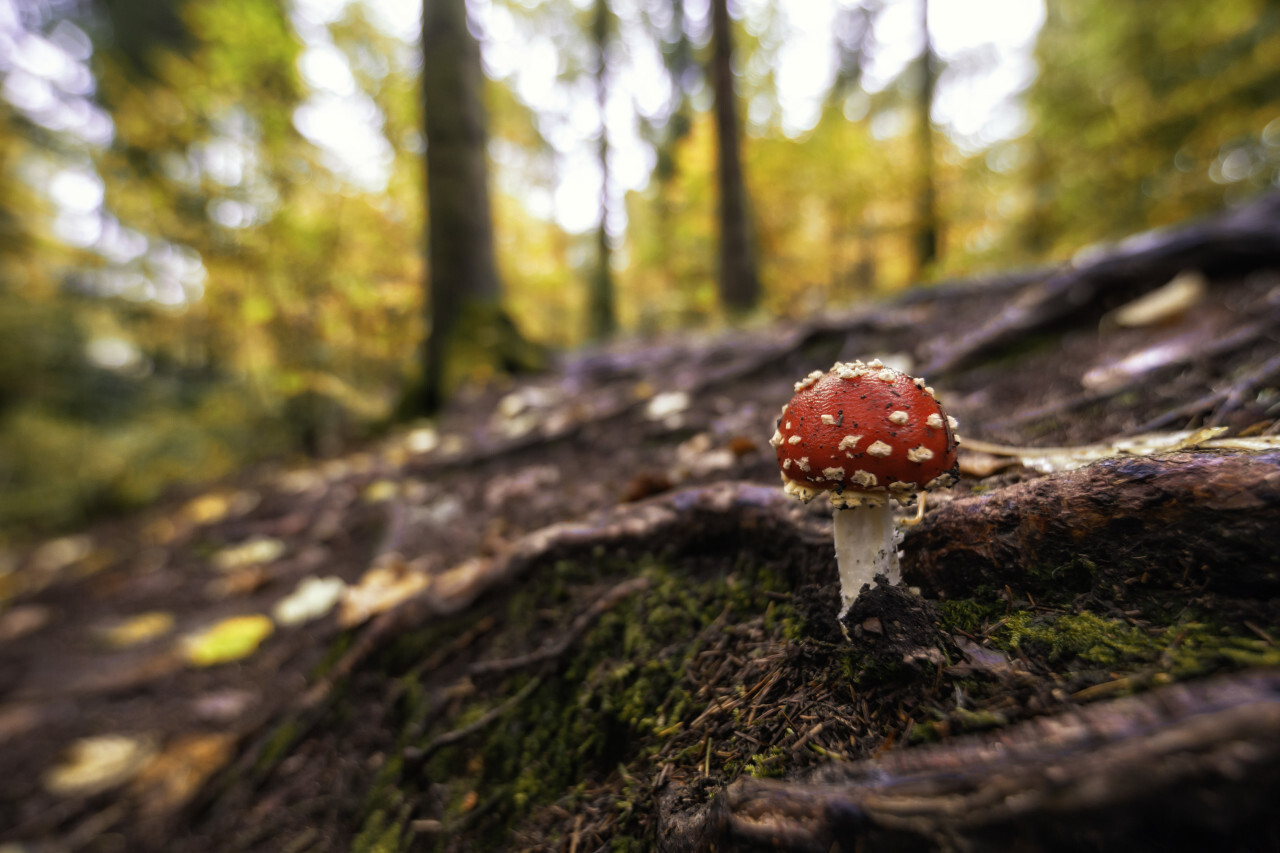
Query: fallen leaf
[361, 463]
[237, 583]
[982, 465]
[1115, 374]
[666, 406]
[381, 588]
[1162, 305]
[251, 553]
[381, 491]
[698, 456]
[57, 554]
[313, 598]
[335, 469]
[422, 440]
[1049, 460]
[95, 764]
[228, 640]
[138, 629]
[170, 778]
[22, 620]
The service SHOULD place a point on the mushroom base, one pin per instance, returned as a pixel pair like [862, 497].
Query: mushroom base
[866, 546]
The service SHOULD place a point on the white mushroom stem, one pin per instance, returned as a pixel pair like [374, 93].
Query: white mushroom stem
[866, 546]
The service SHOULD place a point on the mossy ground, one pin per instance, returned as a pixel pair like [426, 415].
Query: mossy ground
[582, 730]
[709, 674]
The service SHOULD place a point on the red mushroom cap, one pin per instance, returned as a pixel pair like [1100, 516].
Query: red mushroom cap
[864, 431]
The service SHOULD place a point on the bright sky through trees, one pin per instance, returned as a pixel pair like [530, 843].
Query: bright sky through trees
[988, 40]
[49, 79]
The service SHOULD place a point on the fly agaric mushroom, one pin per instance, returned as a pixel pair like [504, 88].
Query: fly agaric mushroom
[864, 433]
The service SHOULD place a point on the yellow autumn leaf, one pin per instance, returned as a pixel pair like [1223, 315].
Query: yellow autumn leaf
[380, 491]
[207, 509]
[138, 629]
[229, 640]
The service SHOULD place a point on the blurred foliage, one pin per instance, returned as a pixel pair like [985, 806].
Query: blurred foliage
[1142, 118]
[217, 287]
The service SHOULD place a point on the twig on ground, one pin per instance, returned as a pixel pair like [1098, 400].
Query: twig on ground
[1222, 402]
[418, 755]
[580, 625]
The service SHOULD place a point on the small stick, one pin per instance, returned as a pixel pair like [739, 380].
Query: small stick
[576, 630]
[490, 716]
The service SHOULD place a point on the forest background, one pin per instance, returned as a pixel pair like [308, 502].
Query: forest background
[194, 278]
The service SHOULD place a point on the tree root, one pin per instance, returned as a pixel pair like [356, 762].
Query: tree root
[417, 755]
[1225, 505]
[1221, 403]
[721, 515]
[1165, 770]
[1068, 405]
[1236, 241]
[1111, 522]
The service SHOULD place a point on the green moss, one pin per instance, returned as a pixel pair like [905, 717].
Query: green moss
[970, 615]
[926, 732]
[768, 765]
[277, 746]
[964, 720]
[383, 833]
[1182, 650]
[1083, 635]
[619, 694]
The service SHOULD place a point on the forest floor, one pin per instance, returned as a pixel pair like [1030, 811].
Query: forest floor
[577, 612]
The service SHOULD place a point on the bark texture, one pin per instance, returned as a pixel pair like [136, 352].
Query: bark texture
[1151, 521]
[461, 266]
[739, 284]
[927, 236]
[601, 313]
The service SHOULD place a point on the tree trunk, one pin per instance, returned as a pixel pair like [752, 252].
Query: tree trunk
[739, 286]
[463, 284]
[602, 317]
[926, 236]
